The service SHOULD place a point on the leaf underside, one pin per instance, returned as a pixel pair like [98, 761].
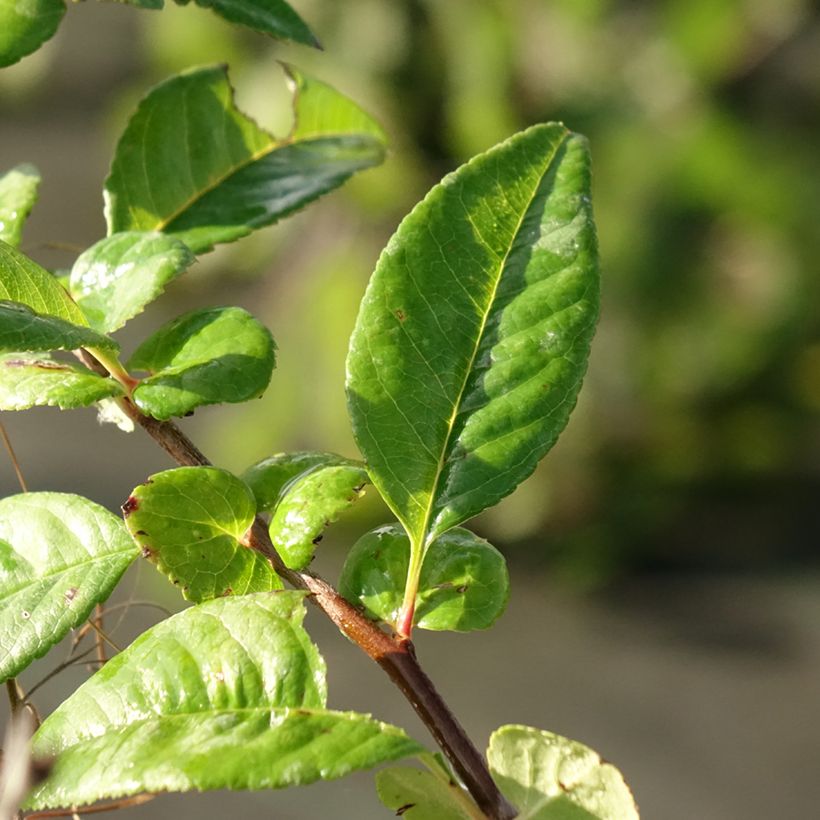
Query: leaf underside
[421, 795]
[18, 193]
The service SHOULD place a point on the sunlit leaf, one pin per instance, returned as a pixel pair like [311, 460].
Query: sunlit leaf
[25, 25]
[18, 193]
[239, 177]
[549, 777]
[31, 380]
[191, 521]
[116, 278]
[228, 694]
[60, 555]
[206, 356]
[464, 582]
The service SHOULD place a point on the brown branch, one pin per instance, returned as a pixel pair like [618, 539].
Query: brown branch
[395, 655]
[124, 803]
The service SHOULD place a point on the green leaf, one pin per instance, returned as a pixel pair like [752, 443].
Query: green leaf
[206, 356]
[116, 278]
[22, 328]
[418, 795]
[240, 177]
[60, 555]
[18, 193]
[29, 381]
[464, 582]
[273, 17]
[229, 694]
[549, 777]
[473, 336]
[311, 502]
[25, 25]
[191, 521]
[23, 280]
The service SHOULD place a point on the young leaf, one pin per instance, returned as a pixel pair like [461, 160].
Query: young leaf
[473, 336]
[418, 795]
[22, 328]
[550, 777]
[60, 555]
[310, 503]
[18, 193]
[239, 177]
[464, 582]
[29, 381]
[23, 280]
[25, 25]
[206, 356]
[116, 278]
[190, 521]
[228, 694]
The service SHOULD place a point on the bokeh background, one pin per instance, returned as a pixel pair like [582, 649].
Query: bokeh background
[666, 593]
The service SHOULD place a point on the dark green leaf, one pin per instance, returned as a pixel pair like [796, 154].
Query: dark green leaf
[191, 521]
[29, 381]
[549, 777]
[229, 694]
[60, 555]
[18, 193]
[23, 280]
[239, 177]
[22, 328]
[204, 357]
[464, 581]
[473, 336]
[421, 795]
[116, 278]
[25, 25]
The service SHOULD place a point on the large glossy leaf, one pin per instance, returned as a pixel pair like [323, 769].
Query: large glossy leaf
[228, 694]
[25, 25]
[116, 278]
[23, 280]
[464, 581]
[60, 555]
[190, 521]
[34, 380]
[203, 357]
[473, 336]
[549, 777]
[22, 328]
[234, 177]
[418, 795]
[18, 193]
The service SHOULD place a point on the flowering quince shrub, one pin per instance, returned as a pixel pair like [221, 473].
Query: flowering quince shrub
[466, 359]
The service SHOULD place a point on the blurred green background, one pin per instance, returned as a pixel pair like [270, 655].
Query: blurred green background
[694, 450]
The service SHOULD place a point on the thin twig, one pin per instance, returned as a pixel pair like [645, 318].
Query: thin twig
[7, 441]
[100, 637]
[17, 700]
[59, 668]
[123, 803]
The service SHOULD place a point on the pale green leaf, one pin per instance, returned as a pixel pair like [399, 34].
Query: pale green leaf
[239, 177]
[60, 555]
[116, 278]
[22, 328]
[191, 521]
[419, 795]
[18, 193]
[35, 380]
[25, 25]
[206, 356]
[473, 336]
[228, 694]
[549, 777]
[23, 280]
[464, 582]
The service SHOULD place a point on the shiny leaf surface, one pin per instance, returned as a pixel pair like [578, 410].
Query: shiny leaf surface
[206, 356]
[18, 193]
[239, 177]
[464, 581]
[549, 777]
[60, 555]
[190, 521]
[228, 694]
[116, 278]
[473, 336]
[25, 25]
[29, 381]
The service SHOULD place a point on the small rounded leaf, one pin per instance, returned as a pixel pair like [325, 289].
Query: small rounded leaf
[415, 794]
[18, 193]
[464, 582]
[25, 25]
